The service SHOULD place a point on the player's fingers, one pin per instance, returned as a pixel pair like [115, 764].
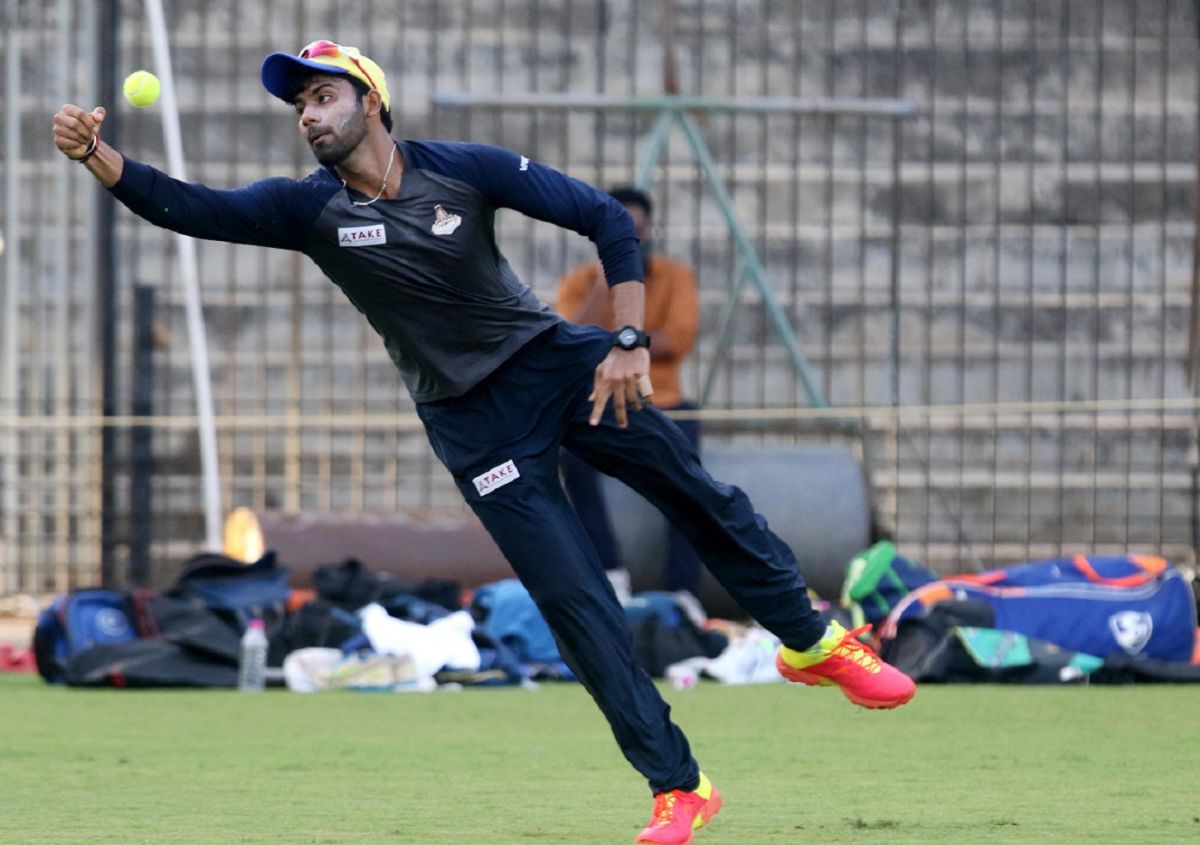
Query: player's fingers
[599, 397]
[71, 126]
[75, 116]
[62, 122]
[644, 387]
[618, 399]
[632, 399]
[71, 110]
[595, 385]
[69, 141]
[76, 131]
[68, 127]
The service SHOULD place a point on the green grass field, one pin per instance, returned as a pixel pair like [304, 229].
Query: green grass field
[508, 766]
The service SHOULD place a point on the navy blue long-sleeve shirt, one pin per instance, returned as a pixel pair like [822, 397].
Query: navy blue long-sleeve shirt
[424, 268]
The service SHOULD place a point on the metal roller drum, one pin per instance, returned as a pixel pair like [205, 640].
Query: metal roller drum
[814, 496]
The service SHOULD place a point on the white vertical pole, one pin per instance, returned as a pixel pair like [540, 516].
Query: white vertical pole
[197, 344]
[61, 452]
[90, 470]
[12, 267]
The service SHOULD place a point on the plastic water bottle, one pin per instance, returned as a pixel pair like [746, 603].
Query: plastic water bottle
[252, 665]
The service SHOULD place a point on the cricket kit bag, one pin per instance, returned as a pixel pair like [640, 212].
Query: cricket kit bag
[1130, 606]
[238, 592]
[76, 622]
[133, 639]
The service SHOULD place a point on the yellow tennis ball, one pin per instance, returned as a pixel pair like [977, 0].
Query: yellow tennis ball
[141, 88]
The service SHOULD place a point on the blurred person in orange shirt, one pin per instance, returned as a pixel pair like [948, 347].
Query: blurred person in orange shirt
[671, 320]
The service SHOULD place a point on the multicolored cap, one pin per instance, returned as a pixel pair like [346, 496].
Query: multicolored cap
[282, 72]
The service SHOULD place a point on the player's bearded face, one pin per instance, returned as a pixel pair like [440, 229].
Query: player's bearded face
[331, 142]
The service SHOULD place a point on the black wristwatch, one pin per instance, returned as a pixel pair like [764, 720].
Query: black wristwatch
[629, 337]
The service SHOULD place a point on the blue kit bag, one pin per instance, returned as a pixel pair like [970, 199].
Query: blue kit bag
[78, 621]
[1115, 606]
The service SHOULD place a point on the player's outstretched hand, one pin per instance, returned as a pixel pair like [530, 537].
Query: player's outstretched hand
[618, 378]
[75, 128]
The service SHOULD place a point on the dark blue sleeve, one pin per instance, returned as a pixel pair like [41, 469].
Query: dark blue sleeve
[513, 181]
[274, 212]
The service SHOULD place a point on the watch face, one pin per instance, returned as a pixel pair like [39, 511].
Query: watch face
[627, 337]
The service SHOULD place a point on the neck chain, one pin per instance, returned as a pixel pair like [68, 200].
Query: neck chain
[382, 187]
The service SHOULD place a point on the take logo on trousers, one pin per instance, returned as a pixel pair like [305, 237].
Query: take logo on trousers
[495, 478]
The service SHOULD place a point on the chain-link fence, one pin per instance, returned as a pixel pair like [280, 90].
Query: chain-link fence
[997, 289]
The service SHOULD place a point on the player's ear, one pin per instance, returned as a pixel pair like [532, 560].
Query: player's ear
[372, 103]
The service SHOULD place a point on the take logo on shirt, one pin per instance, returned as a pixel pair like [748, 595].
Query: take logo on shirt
[362, 235]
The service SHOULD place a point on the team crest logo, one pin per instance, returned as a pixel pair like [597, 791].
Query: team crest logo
[444, 222]
[1131, 629]
[111, 623]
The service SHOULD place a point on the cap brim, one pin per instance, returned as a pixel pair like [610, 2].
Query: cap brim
[282, 72]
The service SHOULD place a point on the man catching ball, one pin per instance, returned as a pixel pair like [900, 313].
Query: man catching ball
[405, 229]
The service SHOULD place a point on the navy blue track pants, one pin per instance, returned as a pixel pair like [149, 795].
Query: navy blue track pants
[501, 443]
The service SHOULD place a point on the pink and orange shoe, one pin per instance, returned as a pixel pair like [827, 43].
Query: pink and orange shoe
[839, 659]
[677, 814]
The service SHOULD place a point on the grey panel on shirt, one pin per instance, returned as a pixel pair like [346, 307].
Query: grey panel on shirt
[425, 270]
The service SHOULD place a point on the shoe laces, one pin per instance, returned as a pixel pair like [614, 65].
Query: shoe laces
[853, 650]
[664, 809]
